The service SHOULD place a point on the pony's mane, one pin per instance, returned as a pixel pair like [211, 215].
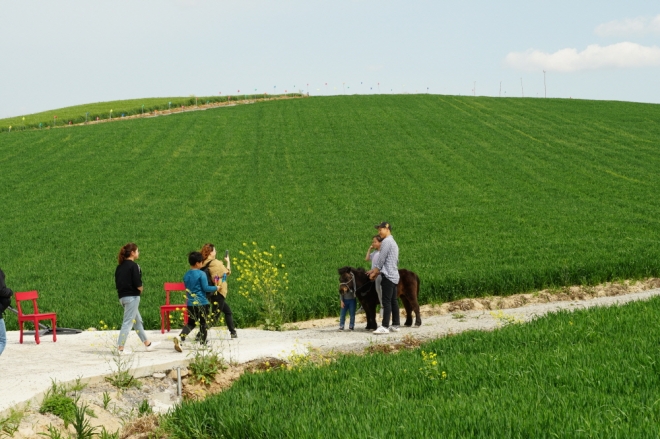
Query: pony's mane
[358, 270]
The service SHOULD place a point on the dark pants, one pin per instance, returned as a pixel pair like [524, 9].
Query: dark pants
[219, 305]
[197, 313]
[390, 303]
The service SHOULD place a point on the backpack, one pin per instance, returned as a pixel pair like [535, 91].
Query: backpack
[207, 271]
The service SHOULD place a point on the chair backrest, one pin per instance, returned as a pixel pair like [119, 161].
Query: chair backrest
[27, 295]
[172, 286]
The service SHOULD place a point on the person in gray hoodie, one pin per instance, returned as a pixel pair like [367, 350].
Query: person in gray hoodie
[5, 302]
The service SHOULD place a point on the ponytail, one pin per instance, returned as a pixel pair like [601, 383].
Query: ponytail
[206, 250]
[126, 251]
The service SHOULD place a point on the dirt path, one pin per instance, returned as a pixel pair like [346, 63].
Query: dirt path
[320, 339]
[177, 110]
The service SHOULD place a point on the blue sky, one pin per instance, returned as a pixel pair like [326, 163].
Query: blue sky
[56, 54]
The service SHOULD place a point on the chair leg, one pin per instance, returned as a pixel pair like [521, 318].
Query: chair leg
[54, 319]
[20, 327]
[162, 322]
[36, 331]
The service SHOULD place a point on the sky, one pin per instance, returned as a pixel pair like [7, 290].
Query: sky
[71, 52]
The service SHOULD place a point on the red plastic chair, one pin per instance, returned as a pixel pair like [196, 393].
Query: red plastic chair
[33, 318]
[166, 309]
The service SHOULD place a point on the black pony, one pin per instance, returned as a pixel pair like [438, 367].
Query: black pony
[356, 280]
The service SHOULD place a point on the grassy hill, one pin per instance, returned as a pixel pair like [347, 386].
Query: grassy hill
[486, 196]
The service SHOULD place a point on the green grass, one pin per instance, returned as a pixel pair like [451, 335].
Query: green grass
[592, 373]
[104, 110]
[486, 196]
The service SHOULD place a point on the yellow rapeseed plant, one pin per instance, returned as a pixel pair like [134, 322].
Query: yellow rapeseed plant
[506, 319]
[262, 277]
[430, 367]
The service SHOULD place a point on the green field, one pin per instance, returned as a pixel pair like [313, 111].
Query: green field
[587, 374]
[486, 196]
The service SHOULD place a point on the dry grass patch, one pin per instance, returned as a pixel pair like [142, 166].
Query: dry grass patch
[142, 428]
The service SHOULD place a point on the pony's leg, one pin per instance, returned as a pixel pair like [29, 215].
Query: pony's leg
[414, 296]
[408, 307]
[363, 304]
[402, 293]
[415, 303]
[370, 312]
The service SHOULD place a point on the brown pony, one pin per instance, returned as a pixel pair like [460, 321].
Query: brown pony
[357, 281]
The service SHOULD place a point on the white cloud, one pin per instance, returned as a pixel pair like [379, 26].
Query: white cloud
[621, 55]
[629, 26]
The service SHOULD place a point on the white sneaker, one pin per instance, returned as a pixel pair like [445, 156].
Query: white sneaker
[152, 346]
[394, 329]
[381, 330]
[126, 351]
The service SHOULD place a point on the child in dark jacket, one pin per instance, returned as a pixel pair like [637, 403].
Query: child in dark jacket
[197, 287]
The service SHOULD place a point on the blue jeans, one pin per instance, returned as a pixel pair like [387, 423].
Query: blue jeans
[349, 305]
[3, 335]
[132, 319]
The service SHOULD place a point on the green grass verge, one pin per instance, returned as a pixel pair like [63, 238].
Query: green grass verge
[487, 196]
[585, 374]
[113, 109]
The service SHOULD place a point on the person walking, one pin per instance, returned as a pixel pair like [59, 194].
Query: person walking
[218, 300]
[387, 265]
[128, 280]
[5, 302]
[197, 287]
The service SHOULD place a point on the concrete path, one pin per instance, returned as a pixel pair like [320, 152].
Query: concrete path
[28, 369]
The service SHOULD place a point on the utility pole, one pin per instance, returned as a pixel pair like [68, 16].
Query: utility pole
[474, 89]
[522, 88]
[545, 90]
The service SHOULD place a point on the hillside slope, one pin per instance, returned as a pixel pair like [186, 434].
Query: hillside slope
[486, 196]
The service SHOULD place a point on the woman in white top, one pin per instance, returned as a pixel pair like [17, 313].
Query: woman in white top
[373, 257]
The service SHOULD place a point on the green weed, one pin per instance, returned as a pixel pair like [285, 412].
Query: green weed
[205, 364]
[122, 377]
[144, 408]
[53, 433]
[105, 434]
[9, 425]
[57, 402]
[81, 424]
